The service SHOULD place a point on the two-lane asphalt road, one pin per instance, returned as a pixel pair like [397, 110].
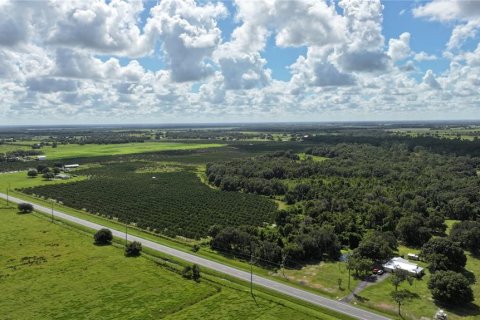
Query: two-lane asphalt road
[338, 306]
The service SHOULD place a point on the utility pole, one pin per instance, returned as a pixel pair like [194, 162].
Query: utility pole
[52, 209]
[8, 190]
[126, 234]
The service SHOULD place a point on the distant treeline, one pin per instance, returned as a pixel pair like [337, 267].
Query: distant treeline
[434, 144]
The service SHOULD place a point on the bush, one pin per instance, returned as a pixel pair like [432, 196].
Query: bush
[103, 236]
[191, 272]
[450, 287]
[133, 249]
[195, 248]
[187, 272]
[196, 272]
[25, 207]
[32, 173]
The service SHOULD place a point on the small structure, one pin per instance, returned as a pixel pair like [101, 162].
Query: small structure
[71, 166]
[398, 263]
[440, 315]
[41, 158]
[413, 256]
[62, 176]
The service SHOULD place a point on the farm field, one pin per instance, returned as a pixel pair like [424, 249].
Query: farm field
[116, 288]
[172, 203]
[93, 150]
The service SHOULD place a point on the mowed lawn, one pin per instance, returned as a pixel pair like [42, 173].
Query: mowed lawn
[92, 150]
[49, 271]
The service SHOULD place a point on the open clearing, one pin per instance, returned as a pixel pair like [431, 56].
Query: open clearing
[92, 150]
[76, 279]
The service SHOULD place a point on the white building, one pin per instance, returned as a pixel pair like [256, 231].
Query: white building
[398, 263]
[41, 158]
[71, 166]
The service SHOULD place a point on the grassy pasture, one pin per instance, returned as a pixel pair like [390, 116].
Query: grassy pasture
[10, 147]
[93, 150]
[54, 271]
[323, 277]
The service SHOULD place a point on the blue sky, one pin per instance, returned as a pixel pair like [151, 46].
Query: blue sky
[199, 61]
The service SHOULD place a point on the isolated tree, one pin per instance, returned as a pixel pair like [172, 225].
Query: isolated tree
[45, 170]
[400, 276]
[32, 173]
[133, 249]
[443, 254]
[56, 170]
[401, 297]
[25, 207]
[450, 287]
[103, 236]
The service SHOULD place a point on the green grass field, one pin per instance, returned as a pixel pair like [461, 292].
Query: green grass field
[9, 147]
[93, 150]
[323, 277]
[51, 271]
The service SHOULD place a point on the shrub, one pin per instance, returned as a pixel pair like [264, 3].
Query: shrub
[133, 249]
[191, 272]
[25, 207]
[187, 272]
[103, 236]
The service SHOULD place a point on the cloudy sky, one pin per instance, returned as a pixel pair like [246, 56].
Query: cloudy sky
[244, 60]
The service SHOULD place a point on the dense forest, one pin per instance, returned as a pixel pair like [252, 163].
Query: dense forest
[360, 196]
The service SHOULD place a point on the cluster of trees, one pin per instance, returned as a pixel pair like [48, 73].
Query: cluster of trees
[191, 272]
[47, 172]
[271, 248]
[467, 234]
[385, 188]
[448, 283]
[15, 154]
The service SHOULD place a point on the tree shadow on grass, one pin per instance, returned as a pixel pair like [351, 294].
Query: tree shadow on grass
[360, 298]
[101, 244]
[467, 310]
[470, 276]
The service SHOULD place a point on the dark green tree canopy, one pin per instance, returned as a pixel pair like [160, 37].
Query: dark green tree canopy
[450, 287]
[103, 236]
[443, 254]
